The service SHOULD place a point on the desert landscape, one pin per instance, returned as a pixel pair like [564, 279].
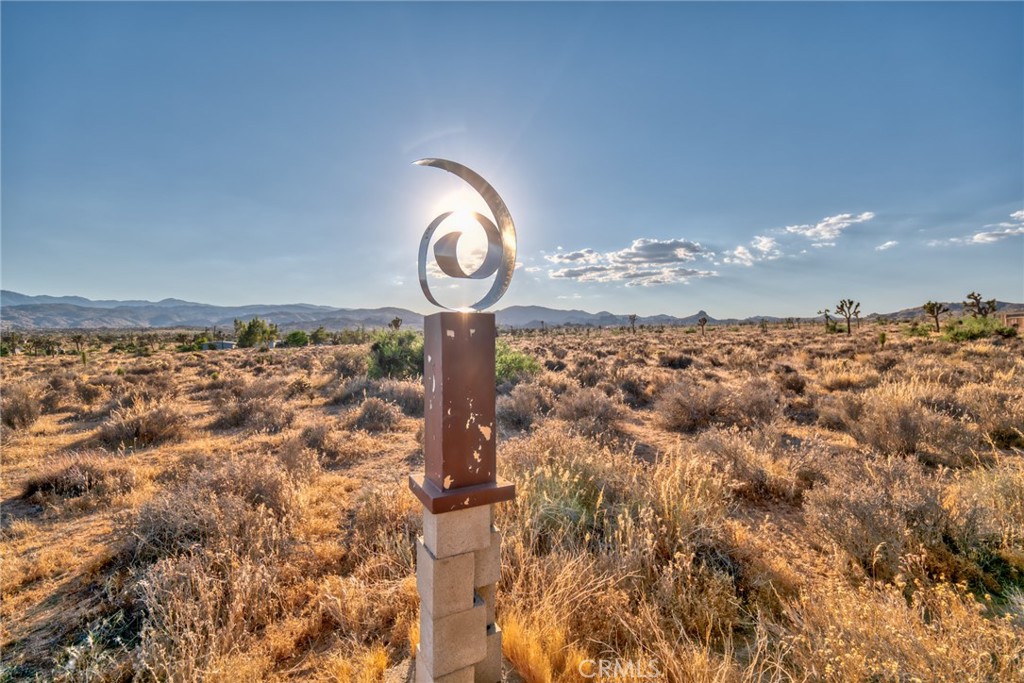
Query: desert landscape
[738, 503]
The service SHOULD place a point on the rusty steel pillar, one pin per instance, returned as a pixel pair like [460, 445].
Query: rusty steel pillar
[458, 556]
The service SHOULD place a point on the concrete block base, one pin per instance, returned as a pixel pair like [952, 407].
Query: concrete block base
[489, 669]
[487, 563]
[488, 594]
[450, 643]
[456, 532]
[444, 585]
[463, 675]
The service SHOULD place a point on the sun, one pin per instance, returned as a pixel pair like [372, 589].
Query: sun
[472, 245]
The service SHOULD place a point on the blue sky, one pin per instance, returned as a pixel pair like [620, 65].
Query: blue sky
[744, 159]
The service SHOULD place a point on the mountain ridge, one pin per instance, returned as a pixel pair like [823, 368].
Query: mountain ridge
[44, 312]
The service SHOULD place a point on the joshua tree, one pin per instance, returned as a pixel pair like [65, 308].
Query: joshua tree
[702, 321]
[764, 326]
[848, 308]
[935, 309]
[825, 313]
[78, 340]
[977, 307]
[632, 323]
[396, 323]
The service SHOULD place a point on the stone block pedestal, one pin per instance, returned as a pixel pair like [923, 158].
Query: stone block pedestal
[457, 569]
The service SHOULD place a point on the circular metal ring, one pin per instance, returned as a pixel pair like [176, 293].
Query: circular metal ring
[501, 240]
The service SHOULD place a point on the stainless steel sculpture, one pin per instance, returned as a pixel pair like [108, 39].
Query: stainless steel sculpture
[501, 240]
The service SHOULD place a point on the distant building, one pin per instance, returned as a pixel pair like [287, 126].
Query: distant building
[1014, 320]
[218, 345]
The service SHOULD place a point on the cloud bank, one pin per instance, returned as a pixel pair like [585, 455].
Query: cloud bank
[824, 232]
[997, 232]
[644, 263]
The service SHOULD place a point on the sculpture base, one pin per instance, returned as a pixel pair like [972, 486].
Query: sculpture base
[437, 500]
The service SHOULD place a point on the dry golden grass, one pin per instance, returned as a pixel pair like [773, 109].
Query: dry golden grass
[738, 507]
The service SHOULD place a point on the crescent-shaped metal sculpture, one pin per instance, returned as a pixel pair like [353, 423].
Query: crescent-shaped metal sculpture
[501, 240]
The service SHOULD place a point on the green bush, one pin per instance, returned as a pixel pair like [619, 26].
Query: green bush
[296, 338]
[511, 365]
[916, 330]
[967, 329]
[395, 354]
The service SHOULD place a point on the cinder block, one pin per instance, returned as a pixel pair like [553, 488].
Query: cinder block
[463, 675]
[489, 670]
[450, 643]
[456, 532]
[488, 594]
[487, 565]
[446, 585]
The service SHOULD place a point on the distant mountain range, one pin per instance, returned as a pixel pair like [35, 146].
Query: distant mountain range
[24, 312]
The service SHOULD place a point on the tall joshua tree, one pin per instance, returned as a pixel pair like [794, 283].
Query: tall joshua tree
[702, 321]
[632, 323]
[825, 313]
[978, 307]
[848, 308]
[935, 309]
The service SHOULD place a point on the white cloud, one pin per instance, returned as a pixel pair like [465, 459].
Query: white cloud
[766, 245]
[532, 269]
[828, 229]
[764, 249]
[632, 276]
[1004, 229]
[886, 245]
[647, 251]
[581, 256]
[645, 263]
[739, 256]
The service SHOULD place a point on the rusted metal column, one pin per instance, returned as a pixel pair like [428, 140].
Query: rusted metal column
[459, 432]
[458, 556]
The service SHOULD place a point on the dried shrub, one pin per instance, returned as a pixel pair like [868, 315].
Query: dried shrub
[246, 504]
[675, 361]
[934, 636]
[689, 407]
[59, 393]
[762, 465]
[323, 438]
[843, 374]
[351, 361]
[881, 512]
[92, 474]
[143, 424]
[524, 405]
[299, 387]
[588, 371]
[892, 419]
[406, 394]
[639, 387]
[20, 406]
[661, 526]
[383, 533]
[199, 607]
[589, 411]
[256, 406]
[376, 415]
[302, 463]
[789, 379]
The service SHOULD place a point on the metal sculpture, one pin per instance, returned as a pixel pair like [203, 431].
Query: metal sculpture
[458, 558]
[500, 260]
